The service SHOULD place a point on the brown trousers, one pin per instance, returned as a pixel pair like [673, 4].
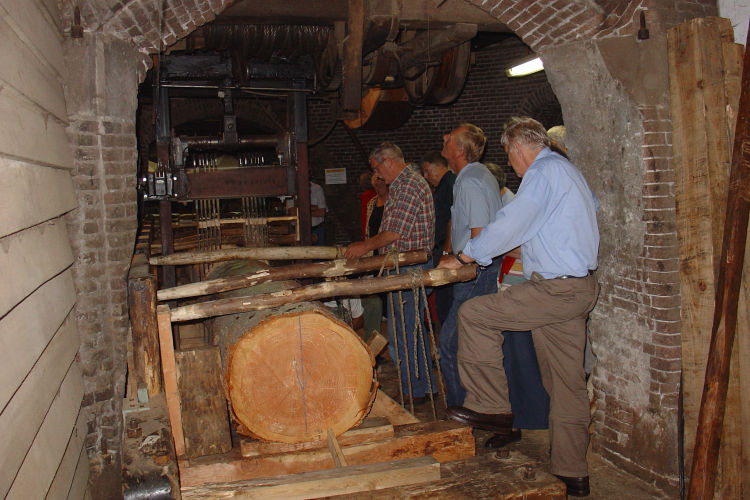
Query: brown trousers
[555, 311]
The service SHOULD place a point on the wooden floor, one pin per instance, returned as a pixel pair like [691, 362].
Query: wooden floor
[148, 460]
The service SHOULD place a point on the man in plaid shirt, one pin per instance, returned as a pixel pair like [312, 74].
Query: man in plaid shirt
[408, 224]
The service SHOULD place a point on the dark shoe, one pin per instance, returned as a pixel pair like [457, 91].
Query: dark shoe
[577, 486]
[501, 439]
[496, 422]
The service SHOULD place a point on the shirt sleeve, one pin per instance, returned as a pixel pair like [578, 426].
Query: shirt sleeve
[514, 224]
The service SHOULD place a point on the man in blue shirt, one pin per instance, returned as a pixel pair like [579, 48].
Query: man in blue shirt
[553, 219]
[476, 200]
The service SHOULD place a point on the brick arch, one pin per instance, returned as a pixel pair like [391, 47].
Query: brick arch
[541, 101]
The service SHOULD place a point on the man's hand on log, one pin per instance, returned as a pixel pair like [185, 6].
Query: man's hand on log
[356, 250]
[449, 262]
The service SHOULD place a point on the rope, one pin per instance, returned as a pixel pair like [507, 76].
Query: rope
[434, 350]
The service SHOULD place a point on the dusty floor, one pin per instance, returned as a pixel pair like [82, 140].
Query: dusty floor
[607, 482]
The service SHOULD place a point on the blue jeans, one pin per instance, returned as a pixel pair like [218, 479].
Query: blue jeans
[420, 384]
[485, 283]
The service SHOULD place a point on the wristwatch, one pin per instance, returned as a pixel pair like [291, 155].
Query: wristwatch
[458, 258]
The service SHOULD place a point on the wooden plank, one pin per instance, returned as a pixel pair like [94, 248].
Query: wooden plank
[701, 159]
[31, 258]
[340, 481]
[61, 484]
[205, 418]
[335, 448]
[443, 440]
[23, 415]
[166, 347]
[27, 329]
[43, 457]
[20, 69]
[371, 429]
[30, 133]
[32, 26]
[78, 487]
[51, 8]
[385, 406]
[31, 194]
[482, 476]
[739, 425]
[718, 434]
[142, 306]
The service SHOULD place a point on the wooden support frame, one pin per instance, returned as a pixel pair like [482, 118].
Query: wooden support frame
[166, 345]
[443, 440]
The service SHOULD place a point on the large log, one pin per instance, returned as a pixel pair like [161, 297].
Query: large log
[338, 267]
[264, 253]
[296, 375]
[363, 286]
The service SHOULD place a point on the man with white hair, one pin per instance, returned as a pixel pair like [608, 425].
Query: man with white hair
[553, 219]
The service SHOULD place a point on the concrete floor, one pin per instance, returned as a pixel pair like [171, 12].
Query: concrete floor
[607, 482]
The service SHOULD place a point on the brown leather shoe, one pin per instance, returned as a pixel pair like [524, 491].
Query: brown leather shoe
[577, 486]
[502, 439]
[496, 422]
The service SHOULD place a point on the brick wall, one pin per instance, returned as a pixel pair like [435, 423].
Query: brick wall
[488, 100]
[101, 132]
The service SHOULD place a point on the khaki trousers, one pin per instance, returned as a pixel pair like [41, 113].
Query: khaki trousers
[555, 311]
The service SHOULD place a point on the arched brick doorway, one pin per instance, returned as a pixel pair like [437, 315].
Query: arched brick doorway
[636, 408]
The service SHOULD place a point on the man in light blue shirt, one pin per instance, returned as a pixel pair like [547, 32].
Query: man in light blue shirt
[553, 219]
[476, 200]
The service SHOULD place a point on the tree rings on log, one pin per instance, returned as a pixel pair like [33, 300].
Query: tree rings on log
[295, 375]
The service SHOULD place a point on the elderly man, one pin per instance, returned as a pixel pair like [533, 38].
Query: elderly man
[408, 224]
[476, 199]
[553, 219]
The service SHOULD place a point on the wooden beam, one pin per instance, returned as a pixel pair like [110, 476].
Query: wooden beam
[168, 366]
[262, 253]
[385, 406]
[372, 429]
[711, 418]
[142, 307]
[444, 440]
[336, 454]
[325, 483]
[335, 268]
[346, 288]
[352, 62]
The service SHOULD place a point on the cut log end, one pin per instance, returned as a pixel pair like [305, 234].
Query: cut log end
[294, 376]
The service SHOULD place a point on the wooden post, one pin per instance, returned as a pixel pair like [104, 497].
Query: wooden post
[142, 306]
[170, 378]
[711, 418]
